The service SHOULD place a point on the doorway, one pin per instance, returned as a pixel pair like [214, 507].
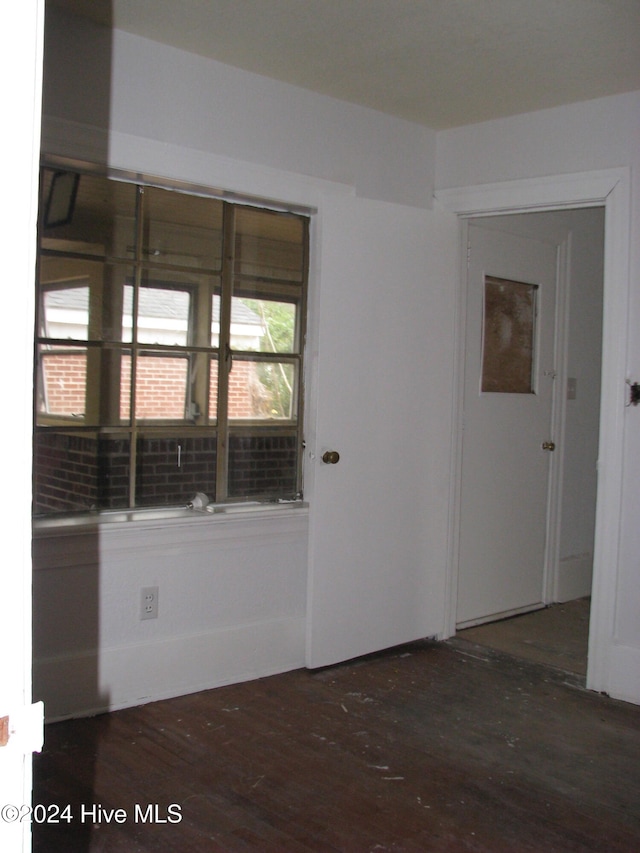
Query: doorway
[527, 523]
[608, 669]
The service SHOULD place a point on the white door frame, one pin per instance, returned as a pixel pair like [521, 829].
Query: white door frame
[609, 188]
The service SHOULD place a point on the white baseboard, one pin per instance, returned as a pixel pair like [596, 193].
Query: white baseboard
[103, 680]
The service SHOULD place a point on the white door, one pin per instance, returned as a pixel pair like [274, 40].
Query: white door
[382, 386]
[508, 394]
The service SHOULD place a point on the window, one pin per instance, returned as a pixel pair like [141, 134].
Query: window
[508, 336]
[170, 336]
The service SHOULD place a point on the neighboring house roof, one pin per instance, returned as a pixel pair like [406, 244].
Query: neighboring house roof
[161, 302]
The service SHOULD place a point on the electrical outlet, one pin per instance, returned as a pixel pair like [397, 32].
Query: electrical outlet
[149, 602]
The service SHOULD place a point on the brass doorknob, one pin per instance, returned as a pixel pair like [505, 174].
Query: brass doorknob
[548, 445]
[330, 457]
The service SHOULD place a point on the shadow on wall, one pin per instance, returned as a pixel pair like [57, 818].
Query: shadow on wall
[66, 629]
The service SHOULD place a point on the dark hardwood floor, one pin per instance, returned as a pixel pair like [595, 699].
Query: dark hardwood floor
[432, 747]
[557, 635]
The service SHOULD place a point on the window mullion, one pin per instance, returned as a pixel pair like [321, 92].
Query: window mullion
[225, 360]
[300, 338]
[133, 447]
[200, 336]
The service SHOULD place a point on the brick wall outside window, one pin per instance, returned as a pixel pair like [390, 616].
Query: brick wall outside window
[161, 387]
[262, 465]
[81, 472]
[160, 480]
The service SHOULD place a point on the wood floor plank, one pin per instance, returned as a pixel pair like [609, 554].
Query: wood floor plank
[443, 747]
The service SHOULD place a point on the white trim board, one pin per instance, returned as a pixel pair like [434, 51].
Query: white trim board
[97, 681]
[611, 189]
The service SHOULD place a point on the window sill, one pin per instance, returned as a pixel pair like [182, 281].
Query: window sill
[167, 516]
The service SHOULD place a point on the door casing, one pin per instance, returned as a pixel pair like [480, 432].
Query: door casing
[609, 188]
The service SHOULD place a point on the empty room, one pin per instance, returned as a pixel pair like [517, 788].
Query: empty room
[329, 387]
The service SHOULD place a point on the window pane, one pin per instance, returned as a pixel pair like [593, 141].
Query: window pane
[182, 230]
[97, 219]
[214, 339]
[163, 315]
[171, 470]
[262, 465]
[269, 245]
[65, 313]
[508, 338]
[262, 325]
[126, 364]
[79, 472]
[161, 387]
[262, 390]
[82, 299]
[62, 388]
[213, 390]
[173, 309]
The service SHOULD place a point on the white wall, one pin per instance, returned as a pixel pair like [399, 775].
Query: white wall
[590, 136]
[580, 451]
[232, 598]
[151, 91]
[597, 134]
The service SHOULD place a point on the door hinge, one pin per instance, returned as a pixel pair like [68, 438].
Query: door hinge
[23, 728]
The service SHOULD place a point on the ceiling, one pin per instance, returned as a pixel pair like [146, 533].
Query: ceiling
[441, 63]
